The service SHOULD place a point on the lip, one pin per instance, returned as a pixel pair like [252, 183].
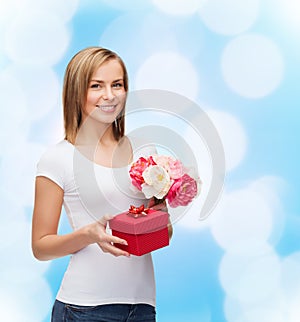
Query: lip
[107, 108]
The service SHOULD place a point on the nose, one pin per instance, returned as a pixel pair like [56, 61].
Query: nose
[108, 93]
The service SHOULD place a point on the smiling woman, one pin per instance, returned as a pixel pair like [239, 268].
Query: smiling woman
[94, 96]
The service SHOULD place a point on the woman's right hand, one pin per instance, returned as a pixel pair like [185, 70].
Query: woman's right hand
[97, 234]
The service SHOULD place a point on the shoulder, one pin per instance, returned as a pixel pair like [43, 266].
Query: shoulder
[56, 163]
[58, 152]
[56, 157]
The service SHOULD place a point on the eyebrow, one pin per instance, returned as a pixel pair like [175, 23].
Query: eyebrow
[100, 81]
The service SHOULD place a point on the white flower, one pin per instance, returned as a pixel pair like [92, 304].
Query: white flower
[157, 182]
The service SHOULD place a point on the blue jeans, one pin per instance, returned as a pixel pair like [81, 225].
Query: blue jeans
[103, 313]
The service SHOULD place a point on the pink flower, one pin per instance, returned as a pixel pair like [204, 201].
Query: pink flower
[182, 192]
[165, 178]
[172, 166]
[137, 169]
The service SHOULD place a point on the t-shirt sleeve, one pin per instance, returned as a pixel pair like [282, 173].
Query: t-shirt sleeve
[50, 166]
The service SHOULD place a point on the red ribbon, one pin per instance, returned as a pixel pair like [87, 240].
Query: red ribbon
[138, 211]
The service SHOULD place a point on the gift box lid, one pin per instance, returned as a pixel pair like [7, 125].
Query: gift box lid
[153, 221]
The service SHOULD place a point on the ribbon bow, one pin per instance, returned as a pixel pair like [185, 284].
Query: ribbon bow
[137, 212]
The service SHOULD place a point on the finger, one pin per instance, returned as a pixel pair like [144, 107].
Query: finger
[113, 239]
[117, 240]
[151, 203]
[161, 207]
[109, 248]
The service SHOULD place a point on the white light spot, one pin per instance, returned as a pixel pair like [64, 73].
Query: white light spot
[232, 309]
[242, 216]
[179, 7]
[290, 9]
[264, 315]
[168, 71]
[14, 124]
[159, 33]
[115, 37]
[8, 10]
[290, 283]
[294, 310]
[232, 135]
[25, 301]
[63, 9]
[191, 219]
[252, 65]
[21, 185]
[36, 38]
[250, 278]
[229, 17]
[40, 86]
[127, 5]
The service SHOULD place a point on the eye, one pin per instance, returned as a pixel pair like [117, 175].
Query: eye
[95, 85]
[118, 85]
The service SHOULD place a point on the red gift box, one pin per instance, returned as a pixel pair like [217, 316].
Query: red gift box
[143, 232]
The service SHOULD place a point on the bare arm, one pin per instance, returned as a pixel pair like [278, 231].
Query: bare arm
[170, 229]
[47, 244]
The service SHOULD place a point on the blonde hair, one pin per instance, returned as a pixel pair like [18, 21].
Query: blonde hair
[76, 81]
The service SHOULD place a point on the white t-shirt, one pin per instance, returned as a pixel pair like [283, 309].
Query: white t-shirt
[90, 191]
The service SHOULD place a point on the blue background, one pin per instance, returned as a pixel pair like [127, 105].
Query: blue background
[261, 126]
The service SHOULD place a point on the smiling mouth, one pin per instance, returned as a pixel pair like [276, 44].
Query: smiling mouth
[107, 107]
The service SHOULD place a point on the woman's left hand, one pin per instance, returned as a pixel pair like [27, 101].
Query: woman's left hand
[162, 206]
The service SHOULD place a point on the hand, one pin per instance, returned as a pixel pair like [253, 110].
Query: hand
[161, 206]
[97, 234]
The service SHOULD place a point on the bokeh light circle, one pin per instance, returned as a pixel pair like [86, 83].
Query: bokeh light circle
[15, 124]
[156, 70]
[290, 284]
[233, 137]
[242, 216]
[37, 38]
[64, 10]
[252, 65]
[250, 278]
[178, 7]
[40, 86]
[229, 17]
[21, 190]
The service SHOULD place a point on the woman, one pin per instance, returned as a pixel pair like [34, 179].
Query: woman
[102, 282]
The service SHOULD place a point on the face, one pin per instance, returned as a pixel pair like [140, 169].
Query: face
[106, 93]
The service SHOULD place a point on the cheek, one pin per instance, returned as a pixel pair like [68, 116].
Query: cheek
[90, 102]
[122, 97]
[91, 97]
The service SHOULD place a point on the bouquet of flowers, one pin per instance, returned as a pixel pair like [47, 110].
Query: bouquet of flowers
[164, 178]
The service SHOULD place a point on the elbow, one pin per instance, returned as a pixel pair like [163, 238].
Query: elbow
[38, 254]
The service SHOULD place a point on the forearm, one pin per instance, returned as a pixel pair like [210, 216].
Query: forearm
[170, 231]
[54, 246]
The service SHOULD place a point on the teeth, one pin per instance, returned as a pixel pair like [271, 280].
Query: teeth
[106, 108]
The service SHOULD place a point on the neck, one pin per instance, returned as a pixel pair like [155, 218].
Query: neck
[92, 133]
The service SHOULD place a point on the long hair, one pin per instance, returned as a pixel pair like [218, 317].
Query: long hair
[76, 81]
